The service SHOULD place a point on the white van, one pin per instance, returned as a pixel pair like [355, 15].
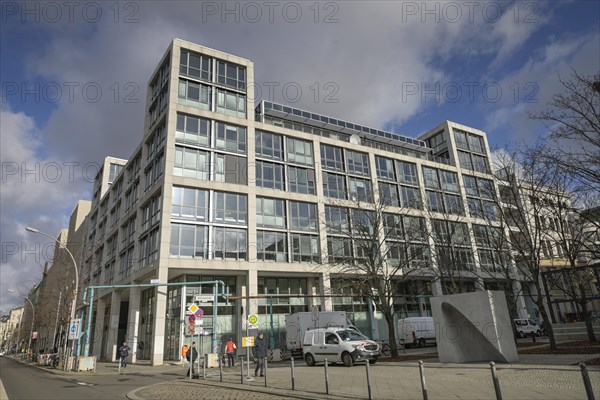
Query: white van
[338, 345]
[525, 327]
[416, 331]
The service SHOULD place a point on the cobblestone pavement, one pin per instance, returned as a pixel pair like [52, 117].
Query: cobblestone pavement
[182, 390]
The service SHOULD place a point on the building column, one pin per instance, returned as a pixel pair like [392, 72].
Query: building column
[252, 290]
[113, 327]
[160, 311]
[326, 301]
[134, 321]
[436, 287]
[98, 327]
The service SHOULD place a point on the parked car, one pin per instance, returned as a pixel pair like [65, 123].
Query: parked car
[338, 345]
[1, 354]
[416, 331]
[525, 327]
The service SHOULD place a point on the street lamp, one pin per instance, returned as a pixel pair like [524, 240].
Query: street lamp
[32, 317]
[74, 302]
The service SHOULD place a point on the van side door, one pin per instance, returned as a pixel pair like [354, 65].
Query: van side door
[330, 348]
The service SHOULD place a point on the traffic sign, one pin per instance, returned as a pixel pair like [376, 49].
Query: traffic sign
[204, 298]
[315, 313]
[74, 327]
[191, 329]
[248, 341]
[199, 313]
[192, 318]
[252, 319]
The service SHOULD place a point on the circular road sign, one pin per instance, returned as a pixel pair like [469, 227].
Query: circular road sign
[199, 313]
[192, 318]
[253, 319]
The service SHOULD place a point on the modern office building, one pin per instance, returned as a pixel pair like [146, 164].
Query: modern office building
[221, 188]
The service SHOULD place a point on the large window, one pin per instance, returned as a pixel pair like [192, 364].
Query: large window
[189, 203]
[269, 175]
[388, 194]
[334, 185]
[189, 241]
[411, 197]
[358, 163]
[230, 103]
[271, 246]
[360, 189]
[194, 94]
[407, 172]
[331, 158]
[270, 212]
[431, 178]
[191, 163]
[230, 169]
[299, 151]
[305, 248]
[230, 208]
[230, 138]
[303, 216]
[301, 180]
[337, 219]
[193, 130]
[231, 75]
[339, 249]
[269, 145]
[195, 65]
[230, 243]
[385, 168]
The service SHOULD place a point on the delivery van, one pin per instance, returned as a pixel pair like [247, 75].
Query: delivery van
[416, 331]
[338, 345]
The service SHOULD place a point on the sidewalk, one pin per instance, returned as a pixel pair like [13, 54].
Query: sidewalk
[532, 378]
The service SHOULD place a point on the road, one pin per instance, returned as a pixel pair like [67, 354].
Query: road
[22, 382]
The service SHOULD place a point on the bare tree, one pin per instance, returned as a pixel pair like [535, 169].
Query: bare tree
[574, 123]
[369, 249]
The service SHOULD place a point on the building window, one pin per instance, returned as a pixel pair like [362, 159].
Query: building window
[189, 241]
[230, 243]
[191, 163]
[305, 248]
[271, 246]
[194, 94]
[385, 168]
[339, 250]
[301, 180]
[476, 144]
[334, 185]
[231, 75]
[230, 208]
[230, 103]
[269, 145]
[189, 203]
[331, 158]
[431, 178]
[230, 169]
[388, 194]
[480, 163]
[299, 151]
[337, 219]
[449, 181]
[453, 204]
[435, 202]
[269, 175]
[461, 140]
[360, 189]
[470, 183]
[270, 212]
[230, 138]
[193, 130]
[303, 216]
[195, 65]
[407, 172]
[464, 160]
[411, 197]
[149, 248]
[357, 163]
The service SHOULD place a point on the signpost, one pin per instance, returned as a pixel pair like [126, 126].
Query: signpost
[74, 328]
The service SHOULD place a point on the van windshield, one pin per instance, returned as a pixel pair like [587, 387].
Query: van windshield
[350, 335]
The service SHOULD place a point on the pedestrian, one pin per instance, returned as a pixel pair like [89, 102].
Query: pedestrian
[193, 353]
[230, 350]
[259, 352]
[123, 354]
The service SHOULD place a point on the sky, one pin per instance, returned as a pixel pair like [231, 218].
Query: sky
[74, 76]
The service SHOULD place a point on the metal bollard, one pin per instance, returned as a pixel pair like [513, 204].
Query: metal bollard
[293, 375]
[495, 379]
[266, 371]
[369, 381]
[242, 371]
[423, 383]
[204, 367]
[221, 371]
[326, 378]
[586, 381]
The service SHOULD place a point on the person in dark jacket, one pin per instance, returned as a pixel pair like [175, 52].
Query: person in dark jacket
[123, 354]
[193, 353]
[259, 352]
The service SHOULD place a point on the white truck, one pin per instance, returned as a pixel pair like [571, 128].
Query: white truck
[297, 324]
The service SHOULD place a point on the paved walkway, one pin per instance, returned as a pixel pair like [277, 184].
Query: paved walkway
[534, 377]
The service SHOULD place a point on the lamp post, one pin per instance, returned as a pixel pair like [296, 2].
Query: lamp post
[74, 302]
[32, 318]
